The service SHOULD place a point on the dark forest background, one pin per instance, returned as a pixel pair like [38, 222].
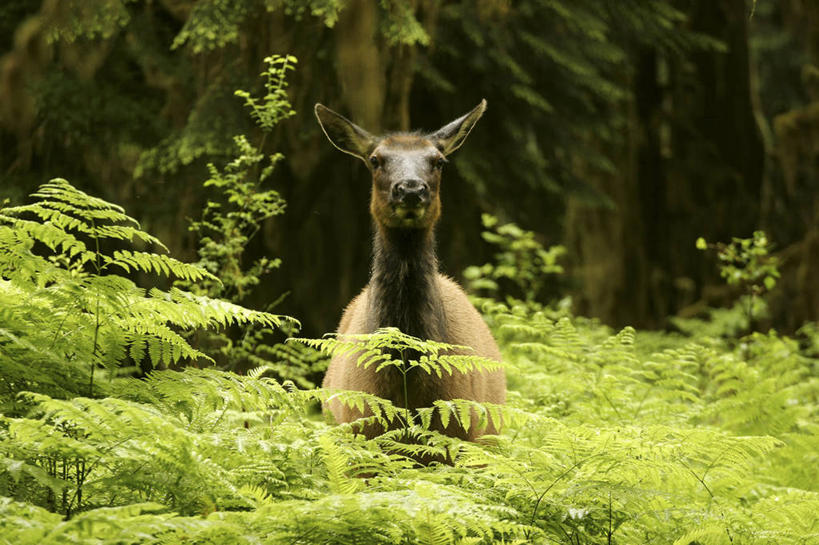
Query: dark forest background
[622, 129]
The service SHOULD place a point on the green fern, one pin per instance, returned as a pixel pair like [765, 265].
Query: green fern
[389, 347]
[66, 307]
[378, 348]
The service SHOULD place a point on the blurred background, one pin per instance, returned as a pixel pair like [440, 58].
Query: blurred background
[620, 129]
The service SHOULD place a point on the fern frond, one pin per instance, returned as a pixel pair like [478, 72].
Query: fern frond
[156, 263]
[382, 409]
[61, 190]
[337, 465]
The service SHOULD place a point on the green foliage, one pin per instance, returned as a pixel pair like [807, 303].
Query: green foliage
[147, 89]
[68, 311]
[400, 25]
[607, 437]
[326, 10]
[731, 322]
[746, 262]
[730, 399]
[521, 260]
[215, 24]
[810, 333]
[274, 106]
[552, 72]
[212, 25]
[241, 204]
[87, 19]
[204, 135]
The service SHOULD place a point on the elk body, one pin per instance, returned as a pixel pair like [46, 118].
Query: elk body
[405, 288]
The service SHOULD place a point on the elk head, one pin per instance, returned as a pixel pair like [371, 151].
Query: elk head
[406, 167]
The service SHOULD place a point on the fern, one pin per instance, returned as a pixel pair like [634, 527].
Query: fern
[377, 349]
[274, 106]
[246, 451]
[389, 347]
[66, 306]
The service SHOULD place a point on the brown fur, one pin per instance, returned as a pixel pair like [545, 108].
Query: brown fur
[405, 289]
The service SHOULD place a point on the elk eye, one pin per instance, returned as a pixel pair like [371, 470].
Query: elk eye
[374, 161]
[439, 162]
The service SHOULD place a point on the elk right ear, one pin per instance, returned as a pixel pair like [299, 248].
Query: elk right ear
[451, 136]
[344, 134]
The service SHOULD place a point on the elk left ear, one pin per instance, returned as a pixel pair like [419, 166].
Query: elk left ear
[344, 134]
[451, 136]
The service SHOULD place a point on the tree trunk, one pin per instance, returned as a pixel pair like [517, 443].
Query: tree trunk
[617, 247]
[360, 70]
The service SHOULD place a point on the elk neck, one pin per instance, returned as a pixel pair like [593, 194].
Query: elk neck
[404, 283]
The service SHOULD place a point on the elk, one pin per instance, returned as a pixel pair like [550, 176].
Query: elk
[405, 289]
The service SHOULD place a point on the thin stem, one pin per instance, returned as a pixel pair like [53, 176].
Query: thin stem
[59, 329]
[406, 395]
[96, 315]
[94, 351]
[540, 498]
[565, 533]
[713, 498]
[611, 403]
[609, 532]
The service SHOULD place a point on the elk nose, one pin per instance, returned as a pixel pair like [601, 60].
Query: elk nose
[410, 192]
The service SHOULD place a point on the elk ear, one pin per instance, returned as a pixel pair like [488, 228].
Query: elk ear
[344, 134]
[451, 136]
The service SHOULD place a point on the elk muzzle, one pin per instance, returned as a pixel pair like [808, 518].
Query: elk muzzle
[411, 193]
[409, 200]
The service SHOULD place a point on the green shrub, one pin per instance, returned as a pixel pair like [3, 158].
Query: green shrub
[521, 262]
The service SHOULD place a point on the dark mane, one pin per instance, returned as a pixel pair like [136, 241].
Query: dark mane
[403, 282]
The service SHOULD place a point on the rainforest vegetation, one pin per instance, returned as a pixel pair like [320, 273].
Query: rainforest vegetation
[636, 217]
